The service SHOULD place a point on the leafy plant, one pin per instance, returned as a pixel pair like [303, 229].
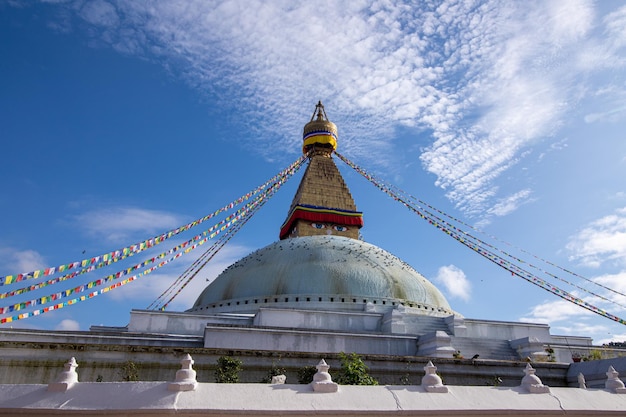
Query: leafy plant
[406, 378]
[594, 355]
[275, 370]
[129, 371]
[306, 373]
[354, 371]
[228, 369]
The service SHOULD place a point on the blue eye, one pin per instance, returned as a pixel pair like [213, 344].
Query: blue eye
[340, 228]
[318, 225]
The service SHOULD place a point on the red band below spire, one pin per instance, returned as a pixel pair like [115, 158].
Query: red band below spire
[322, 215]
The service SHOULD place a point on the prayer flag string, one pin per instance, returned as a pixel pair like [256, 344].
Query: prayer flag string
[410, 197]
[110, 261]
[507, 254]
[475, 244]
[193, 269]
[107, 258]
[212, 232]
[89, 296]
[207, 256]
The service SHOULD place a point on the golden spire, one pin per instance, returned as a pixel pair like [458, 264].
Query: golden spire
[319, 133]
[323, 204]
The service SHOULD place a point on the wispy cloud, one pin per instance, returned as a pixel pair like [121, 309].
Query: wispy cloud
[565, 317]
[118, 224]
[511, 203]
[568, 318]
[615, 28]
[603, 240]
[555, 311]
[616, 282]
[486, 79]
[455, 282]
[18, 261]
[149, 288]
[100, 13]
[68, 324]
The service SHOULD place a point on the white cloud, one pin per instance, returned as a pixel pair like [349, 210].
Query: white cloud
[571, 20]
[601, 241]
[115, 224]
[511, 203]
[556, 311]
[566, 317]
[486, 80]
[615, 27]
[19, 261]
[142, 292]
[68, 324]
[523, 90]
[455, 282]
[100, 13]
[611, 115]
[617, 285]
[608, 337]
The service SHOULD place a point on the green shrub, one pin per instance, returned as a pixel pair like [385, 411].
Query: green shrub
[354, 371]
[275, 370]
[228, 370]
[406, 378]
[129, 372]
[593, 355]
[306, 373]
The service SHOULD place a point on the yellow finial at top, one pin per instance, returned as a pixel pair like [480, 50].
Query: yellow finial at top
[319, 133]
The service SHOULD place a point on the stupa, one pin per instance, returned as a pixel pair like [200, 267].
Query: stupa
[320, 264]
[317, 291]
[321, 289]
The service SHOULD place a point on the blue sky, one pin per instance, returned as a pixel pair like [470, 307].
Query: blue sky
[120, 120]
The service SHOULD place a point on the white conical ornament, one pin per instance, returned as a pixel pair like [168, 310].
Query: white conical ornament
[431, 381]
[185, 376]
[322, 381]
[67, 378]
[532, 383]
[613, 383]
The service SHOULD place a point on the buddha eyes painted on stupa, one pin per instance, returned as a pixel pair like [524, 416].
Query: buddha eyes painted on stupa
[336, 227]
